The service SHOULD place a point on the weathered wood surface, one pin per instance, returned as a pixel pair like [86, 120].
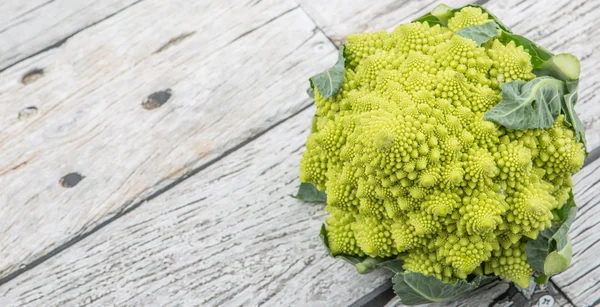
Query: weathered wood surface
[234, 68]
[230, 236]
[28, 27]
[559, 25]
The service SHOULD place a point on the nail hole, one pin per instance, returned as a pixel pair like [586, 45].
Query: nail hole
[174, 41]
[27, 112]
[318, 47]
[70, 180]
[157, 99]
[32, 76]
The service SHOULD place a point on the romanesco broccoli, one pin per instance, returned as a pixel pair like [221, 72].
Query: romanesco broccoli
[414, 170]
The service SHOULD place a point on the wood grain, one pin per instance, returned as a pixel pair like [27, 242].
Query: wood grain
[28, 27]
[218, 237]
[559, 25]
[230, 236]
[234, 68]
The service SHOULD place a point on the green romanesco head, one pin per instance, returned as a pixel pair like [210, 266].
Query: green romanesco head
[411, 167]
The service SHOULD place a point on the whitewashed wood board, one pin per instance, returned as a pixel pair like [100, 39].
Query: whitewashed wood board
[234, 67]
[559, 25]
[229, 236]
[28, 27]
[80, 72]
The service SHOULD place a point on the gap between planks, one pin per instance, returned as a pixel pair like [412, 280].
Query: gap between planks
[61, 41]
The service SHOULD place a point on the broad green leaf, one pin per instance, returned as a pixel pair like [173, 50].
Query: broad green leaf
[539, 55]
[479, 33]
[528, 105]
[308, 192]
[537, 250]
[330, 81]
[415, 288]
[551, 252]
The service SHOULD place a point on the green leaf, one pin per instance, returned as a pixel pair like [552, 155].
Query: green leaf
[309, 193]
[563, 66]
[541, 280]
[415, 288]
[370, 264]
[429, 19]
[479, 33]
[330, 81]
[537, 250]
[539, 54]
[550, 253]
[438, 16]
[529, 105]
[568, 108]
[443, 12]
[310, 91]
[558, 260]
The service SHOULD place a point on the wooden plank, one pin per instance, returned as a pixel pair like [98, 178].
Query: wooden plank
[231, 236]
[581, 281]
[234, 68]
[30, 26]
[560, 25]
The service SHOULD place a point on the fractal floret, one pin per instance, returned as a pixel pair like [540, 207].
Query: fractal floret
[446, 145]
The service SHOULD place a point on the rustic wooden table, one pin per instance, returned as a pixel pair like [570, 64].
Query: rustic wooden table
[148, 149]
